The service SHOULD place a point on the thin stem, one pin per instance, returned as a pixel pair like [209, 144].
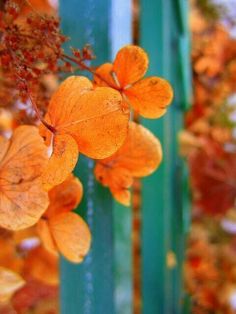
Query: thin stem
[82, 65]
[38, 114]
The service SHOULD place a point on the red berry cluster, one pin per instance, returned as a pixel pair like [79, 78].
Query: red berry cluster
[30, 53]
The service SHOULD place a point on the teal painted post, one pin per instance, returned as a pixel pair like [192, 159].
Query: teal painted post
[163, 29]
[123, 259]
[183, 302]
[179, 66]
[154, 27]
[91, 288]
[181, 207]
[121, 32]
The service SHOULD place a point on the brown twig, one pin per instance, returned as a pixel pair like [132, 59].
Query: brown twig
[38, 114]
[83, 66]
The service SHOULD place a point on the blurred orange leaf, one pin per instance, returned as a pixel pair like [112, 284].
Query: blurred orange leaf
[22, 159]
[10, 282]
[32, 296]
[42, 265]
[65, 196]
[213, 173]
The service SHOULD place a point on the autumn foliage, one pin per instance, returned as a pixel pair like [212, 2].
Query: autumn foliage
[208, 143]
[149, 96]
[131, 161]
[44, 127]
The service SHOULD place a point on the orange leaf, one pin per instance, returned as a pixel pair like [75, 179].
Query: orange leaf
[118, 179]
[65, 196]
[121, 181]
[10, 282]
[104, 76]
[62, 162]
[141, 153]
[150, 97]
[42, 265]
[96, 119]
[130, 64]
[9, 256]
[139, 156]
[66, 98]
[71, 235]
[22, 159]
[45, 235]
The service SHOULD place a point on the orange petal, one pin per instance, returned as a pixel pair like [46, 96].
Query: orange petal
[122, 196]
[8, 255]
[42, 266]
[139, 156]
[10, 282]
[96, 119]
[4, 144]
[141, 153]
[104, 76]
[102, 173]
[130, 64]
[150, 97]
[122, 180]
[66, 99]
[71, 235]
[65, 196]
[99, 123]
[22, 199]
[44, 233]
[62, 162]
[119, 180]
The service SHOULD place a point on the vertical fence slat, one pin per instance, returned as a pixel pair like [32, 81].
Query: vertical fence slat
[123, 259]
[156, 199]
[163, 229]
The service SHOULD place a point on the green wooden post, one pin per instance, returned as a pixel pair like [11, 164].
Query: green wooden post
[164, 35]
[156, 198]
[92, 288]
